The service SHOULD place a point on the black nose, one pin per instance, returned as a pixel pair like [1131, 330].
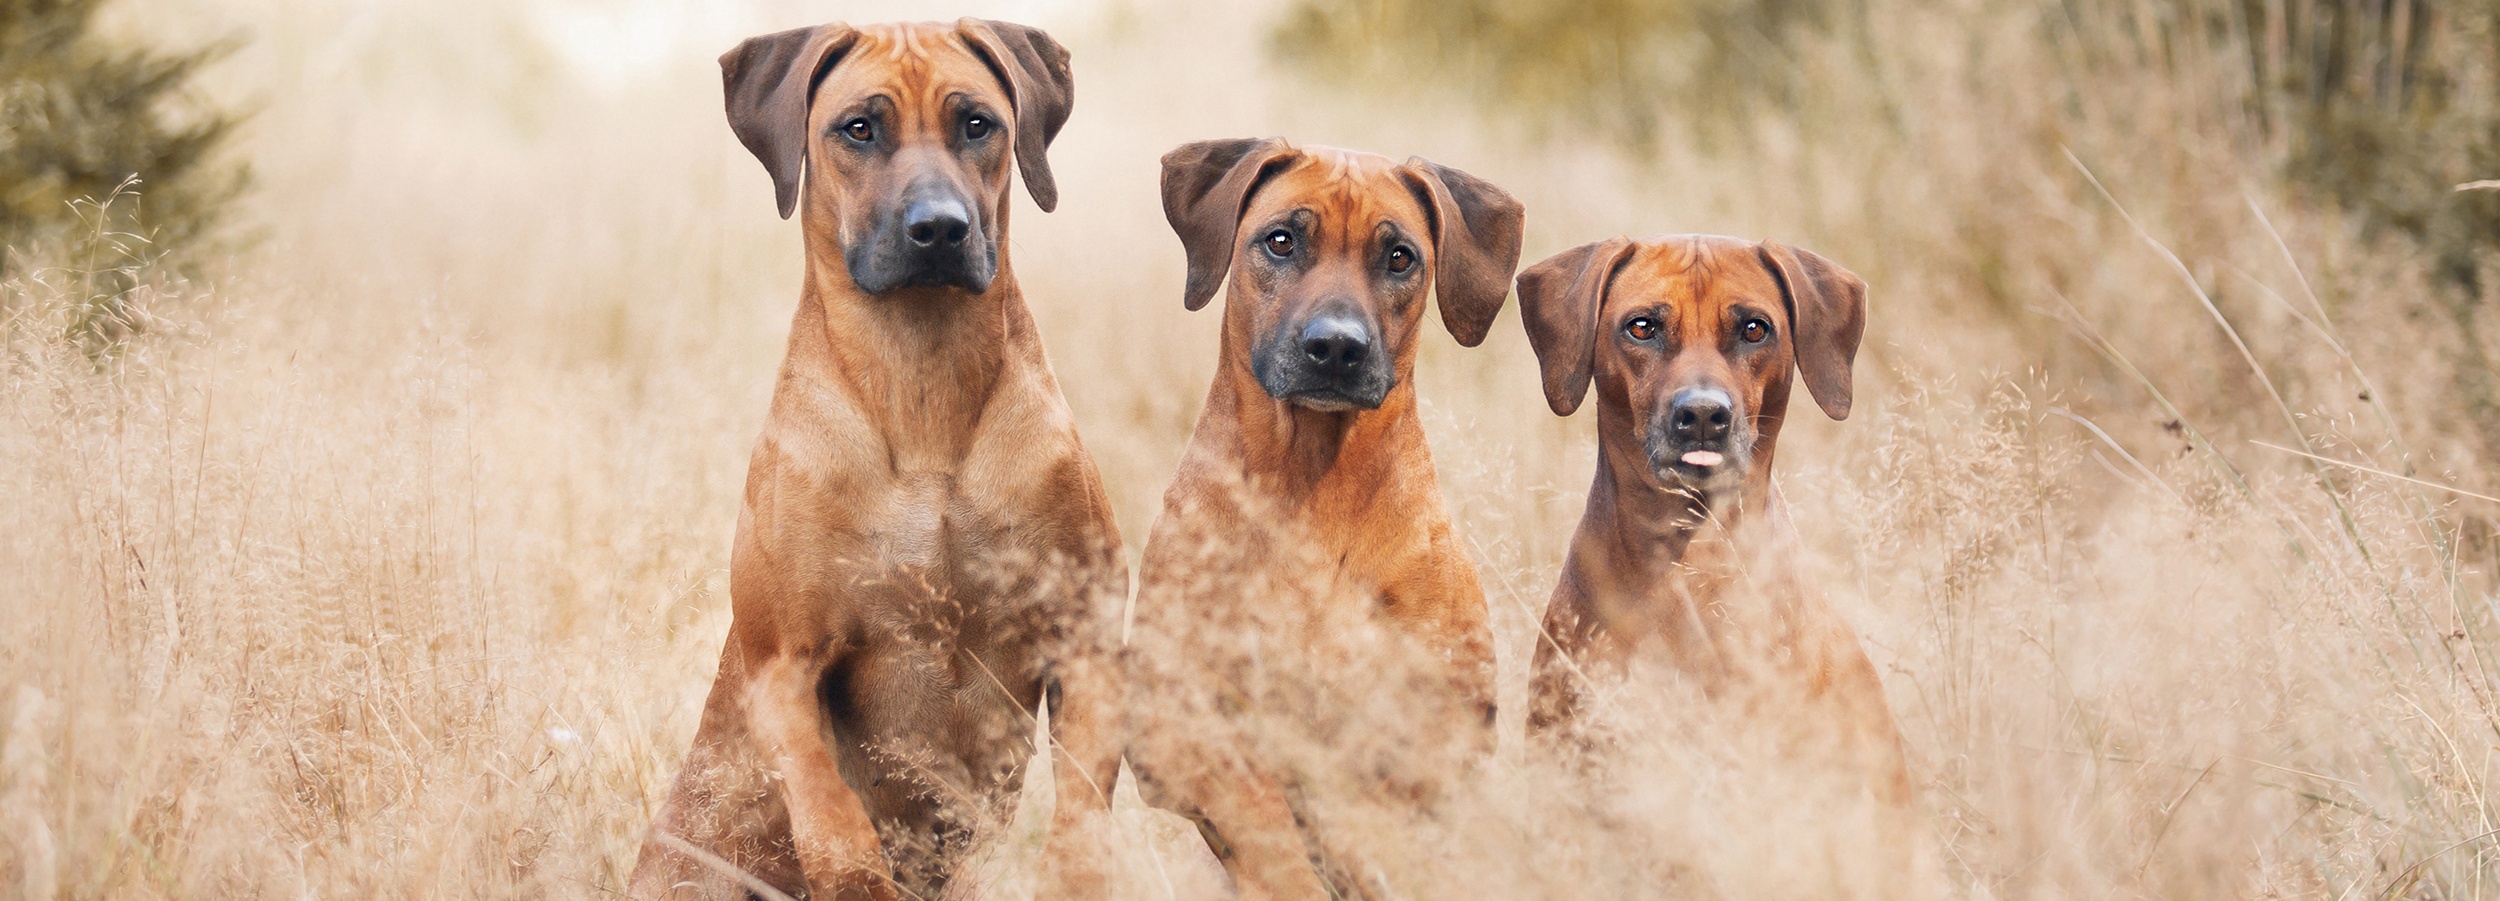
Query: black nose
[1700, 416]
[937, 221]
[1337, 345]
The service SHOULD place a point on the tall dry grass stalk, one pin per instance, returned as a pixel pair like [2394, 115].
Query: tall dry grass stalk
[396, 565]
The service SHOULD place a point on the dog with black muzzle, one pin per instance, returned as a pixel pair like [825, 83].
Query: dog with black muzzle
[1692, 342]
[1309, 466]
[925, 551]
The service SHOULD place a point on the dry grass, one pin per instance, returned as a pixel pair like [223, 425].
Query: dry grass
[393, 563]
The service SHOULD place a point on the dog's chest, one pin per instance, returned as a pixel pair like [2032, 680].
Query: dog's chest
[929, 523]
[917, 525]
[947, 662]
[949, 587]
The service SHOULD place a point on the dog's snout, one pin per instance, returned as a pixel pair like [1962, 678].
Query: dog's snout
[1330, 359]
[1700, 416]
[1336, 345]
[931, 235]
[937, 221]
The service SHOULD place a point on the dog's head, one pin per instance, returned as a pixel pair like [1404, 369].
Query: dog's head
[1692, 340]
[1330, 254]
[904, 134]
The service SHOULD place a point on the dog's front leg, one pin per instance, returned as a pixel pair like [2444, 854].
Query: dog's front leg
[1087, 727]
[711, 809]
[836, 841]
[1089, 731]
[1268, 857]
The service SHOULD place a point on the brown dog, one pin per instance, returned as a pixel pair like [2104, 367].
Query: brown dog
[925, 547]
[1312, 420]
[1692, 341]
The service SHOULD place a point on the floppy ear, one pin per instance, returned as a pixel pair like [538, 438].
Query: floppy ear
[1204, 186]
[768, 82]
[1826, 317]
[1476, 229]
[1040, 87]
[1559, 299]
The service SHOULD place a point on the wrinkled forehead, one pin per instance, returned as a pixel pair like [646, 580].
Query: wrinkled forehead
[1689, 271]
[913, 65]
[1343, 188]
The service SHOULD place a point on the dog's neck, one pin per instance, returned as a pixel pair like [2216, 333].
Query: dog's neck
[1655, 561]
[920, 363]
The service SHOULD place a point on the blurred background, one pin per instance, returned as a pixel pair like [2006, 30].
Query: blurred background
[370, 460]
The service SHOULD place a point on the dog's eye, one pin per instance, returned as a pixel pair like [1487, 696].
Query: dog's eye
[1280, 243]
[1641, 328]
[860, 130]
[1401, 259]
[1754, 331]
[977, 127]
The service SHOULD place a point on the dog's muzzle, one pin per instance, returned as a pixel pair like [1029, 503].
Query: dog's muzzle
[1331, 362]
[1699, 442]
[933, 239]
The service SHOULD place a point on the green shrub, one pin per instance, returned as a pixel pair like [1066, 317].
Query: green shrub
[107, 163]
[2387, 110]
[1618, 69]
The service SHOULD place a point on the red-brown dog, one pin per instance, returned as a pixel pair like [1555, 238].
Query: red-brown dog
[1310, 430]
[925, 550]
[1691, 341]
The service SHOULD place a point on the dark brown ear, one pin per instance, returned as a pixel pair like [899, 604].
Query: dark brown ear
[768, 82]
[1826, 316]
[1559, 300]
[1205, 185]
[1476, 229]
[1039, 85]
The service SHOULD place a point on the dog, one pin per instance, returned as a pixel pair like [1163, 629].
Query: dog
[925, 548]
[1310, 429]
[1693, 342]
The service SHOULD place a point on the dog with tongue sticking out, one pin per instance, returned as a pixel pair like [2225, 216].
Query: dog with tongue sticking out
[1692, 342]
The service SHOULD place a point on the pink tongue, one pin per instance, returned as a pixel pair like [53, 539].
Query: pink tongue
[1704, 458]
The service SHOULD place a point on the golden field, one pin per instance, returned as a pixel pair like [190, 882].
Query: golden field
[390, 558]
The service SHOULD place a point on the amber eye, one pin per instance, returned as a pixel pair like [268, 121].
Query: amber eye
[860, 130]
[1280, 243]
[1401, 259]
[1754, 331]
[977, 127]
[1641, 328]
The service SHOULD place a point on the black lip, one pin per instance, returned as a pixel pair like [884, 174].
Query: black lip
[1332, 397]
[938, 279]
[882, 277]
